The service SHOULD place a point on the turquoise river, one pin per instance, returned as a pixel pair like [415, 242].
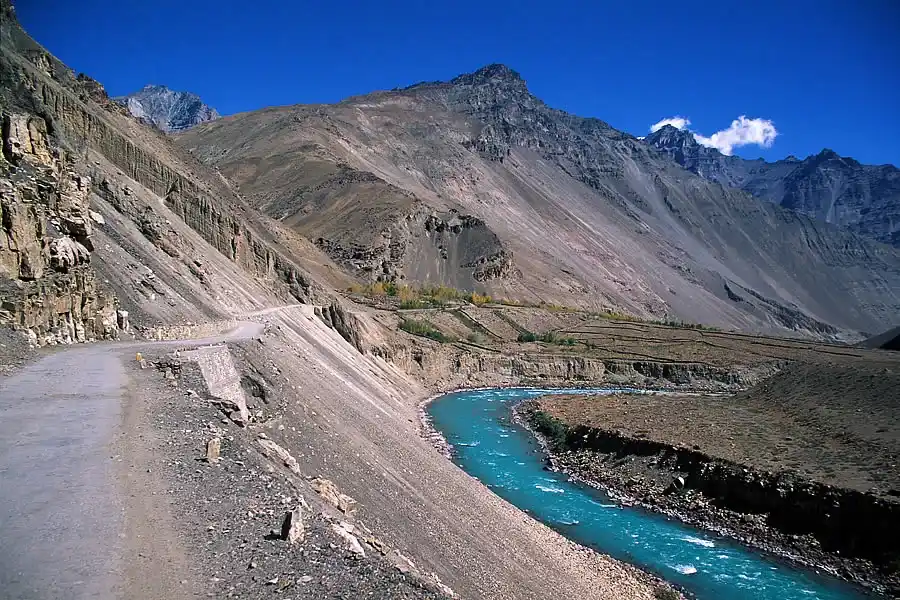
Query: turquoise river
[507, 459]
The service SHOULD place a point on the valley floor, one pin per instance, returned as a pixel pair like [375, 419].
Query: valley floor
[306, 421]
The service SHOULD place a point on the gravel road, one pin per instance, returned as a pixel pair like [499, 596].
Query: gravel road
[60, 514]
[61, 508]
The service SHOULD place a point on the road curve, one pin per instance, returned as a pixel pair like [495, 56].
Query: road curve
[61, 513]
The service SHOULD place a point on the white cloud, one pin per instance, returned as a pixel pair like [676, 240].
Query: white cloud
[743, 132]
[676, 122]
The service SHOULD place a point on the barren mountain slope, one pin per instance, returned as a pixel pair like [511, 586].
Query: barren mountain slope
[558, 208]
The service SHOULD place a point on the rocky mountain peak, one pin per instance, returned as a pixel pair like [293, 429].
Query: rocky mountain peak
[670, 137]
[167, 109]
[830, 158]
[493, 74]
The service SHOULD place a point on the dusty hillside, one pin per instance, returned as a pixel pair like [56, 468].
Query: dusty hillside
[547, 206]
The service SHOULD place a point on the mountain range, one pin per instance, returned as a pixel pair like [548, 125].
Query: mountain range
[828, 187]
[478, 184]
[473, 183]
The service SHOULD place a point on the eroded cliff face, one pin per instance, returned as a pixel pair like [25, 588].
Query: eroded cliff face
[78, 111]
[445, 366]
[49, 289]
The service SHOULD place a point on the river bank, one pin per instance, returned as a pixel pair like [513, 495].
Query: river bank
[782, 514]
[506, 459]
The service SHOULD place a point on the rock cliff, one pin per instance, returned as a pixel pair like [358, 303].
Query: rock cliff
[143, 176]
[49, 289]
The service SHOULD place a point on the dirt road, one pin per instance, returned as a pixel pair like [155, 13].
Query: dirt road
[61, 508]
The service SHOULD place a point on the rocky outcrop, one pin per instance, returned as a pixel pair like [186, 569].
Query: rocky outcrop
[66, 254]
[349, 325]
[332, 495]
[47, 286]
[167, 109]
[456, 248]
[470, 238]
[373, 229]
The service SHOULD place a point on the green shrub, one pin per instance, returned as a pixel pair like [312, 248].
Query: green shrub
[553, 429]
[527, 336]
[425, 329]
[437, 336]
[550, 337]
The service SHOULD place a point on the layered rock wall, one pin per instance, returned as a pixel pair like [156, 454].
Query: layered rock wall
[47, 286]
[207, 206]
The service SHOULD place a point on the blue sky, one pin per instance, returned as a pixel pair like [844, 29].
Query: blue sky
[824, 72]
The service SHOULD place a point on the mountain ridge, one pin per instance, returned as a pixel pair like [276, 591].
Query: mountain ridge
[826, 186]
[570, 209]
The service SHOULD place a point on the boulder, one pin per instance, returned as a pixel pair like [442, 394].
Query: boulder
[213, 450]
[274, 451]
[330, 493]
[292, 528]
[344, 531]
